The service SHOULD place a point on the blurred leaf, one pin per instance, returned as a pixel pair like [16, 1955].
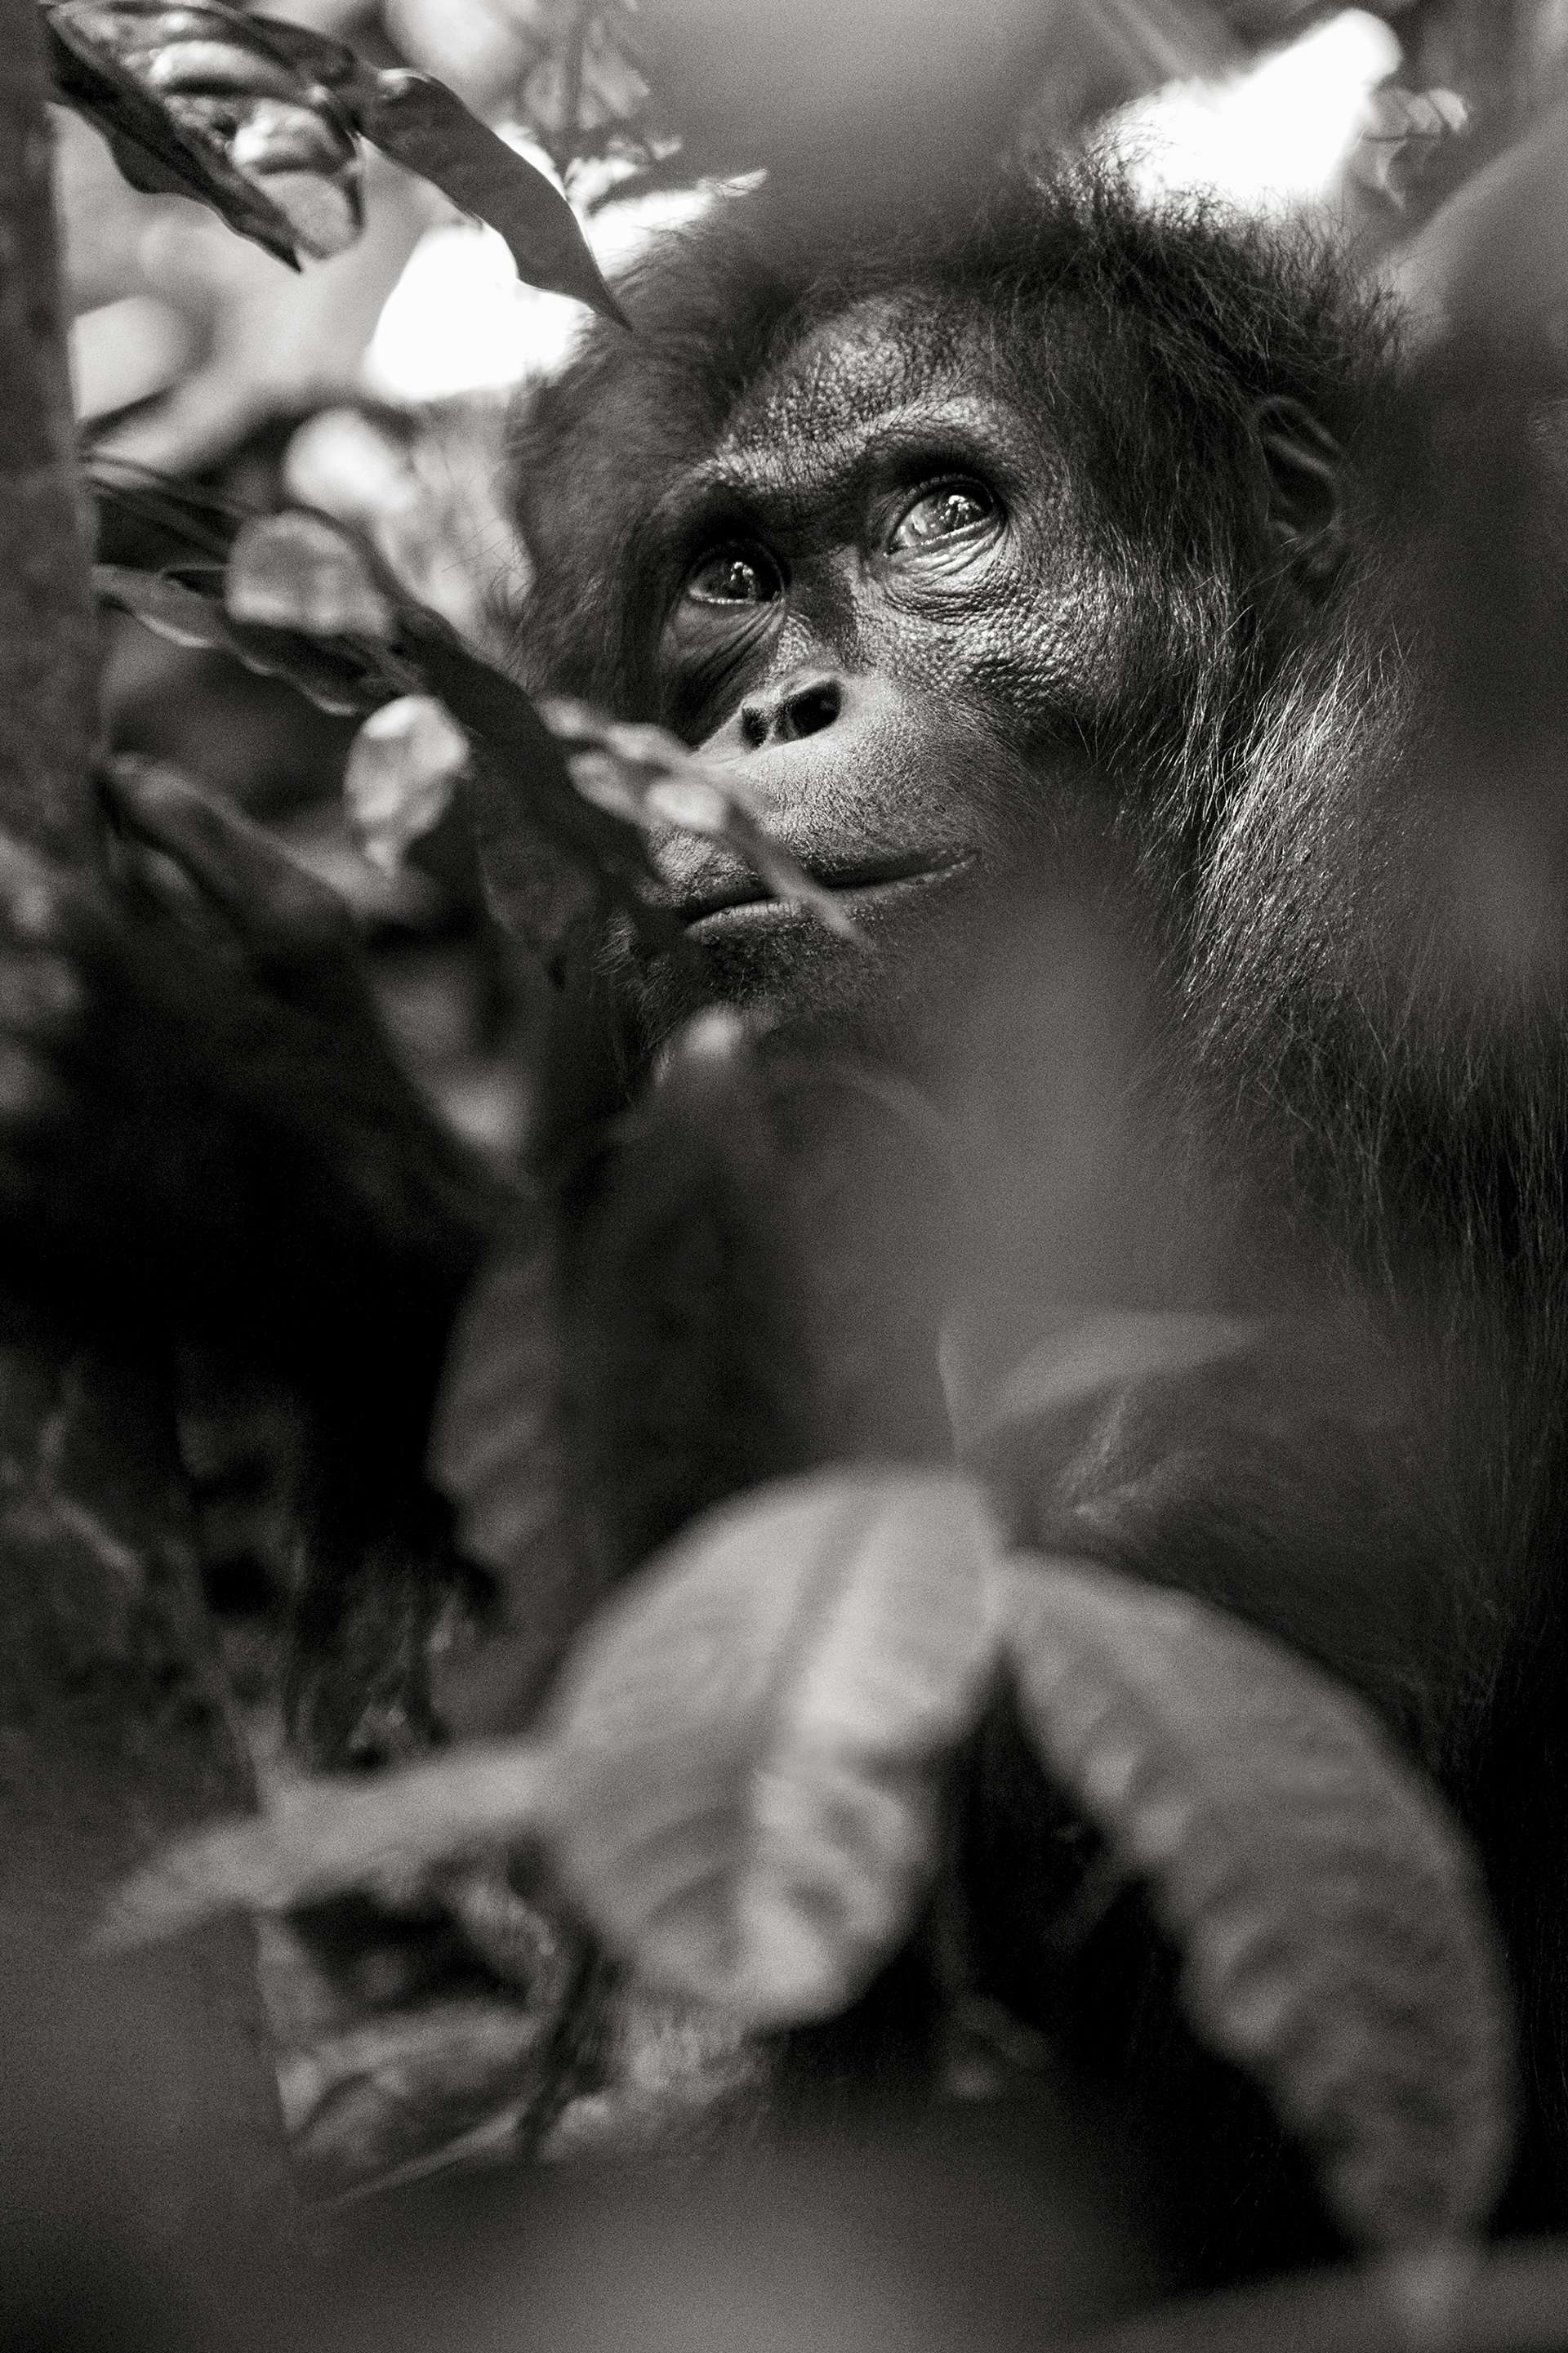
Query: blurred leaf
[343, 677]
[744, 1784]
[331, 1836]
[340, 629]
[898, 93]
[1400, 138]
[1081, 1365]
[150, 520]
[203, 101]
[688, 1363]
[531, 814]
[398, 782]
[751, 1740]
[387, 2098]
[166, 608]
[431, 503]
[301, 571]
[1333, 1929]
[497, 1451]
[493, 1425]
[584, 87]
[747, 1286]
[420, 125]
[652, 779]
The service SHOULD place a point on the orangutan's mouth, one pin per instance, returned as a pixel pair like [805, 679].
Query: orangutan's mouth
[875, 877]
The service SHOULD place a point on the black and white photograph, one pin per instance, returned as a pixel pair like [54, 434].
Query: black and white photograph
[783, 1177]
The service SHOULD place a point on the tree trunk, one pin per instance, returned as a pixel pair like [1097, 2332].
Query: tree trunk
[113, 1735]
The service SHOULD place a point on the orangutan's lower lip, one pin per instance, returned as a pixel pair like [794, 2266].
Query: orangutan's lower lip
[857, 886]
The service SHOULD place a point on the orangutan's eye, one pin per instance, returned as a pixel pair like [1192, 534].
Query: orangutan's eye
[734, 576]
[943, 513]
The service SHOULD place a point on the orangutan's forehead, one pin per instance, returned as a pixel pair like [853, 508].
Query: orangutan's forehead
[877, 358]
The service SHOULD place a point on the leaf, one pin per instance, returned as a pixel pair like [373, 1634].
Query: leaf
[531, 815]
[258, 119]
[302, 571]
[498, 1408]
[1401, 138]
[743, 1783]
[419, 123]
[331, 1836]
[150, 520]
[497, 1451]
[751, 1741]
[202, 101]
[651, 778]
[347, 678]
[1333, 1935]
[553, 857]
[399, 778]
[584, 89]
[165, 607]
[1078, 1367]
[688, 1364]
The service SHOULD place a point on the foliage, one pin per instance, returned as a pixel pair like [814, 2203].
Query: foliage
[260, 118]
[305, 598]
[739, 1782]
[1215, 1770]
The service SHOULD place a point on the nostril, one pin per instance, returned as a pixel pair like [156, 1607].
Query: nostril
[809, 710]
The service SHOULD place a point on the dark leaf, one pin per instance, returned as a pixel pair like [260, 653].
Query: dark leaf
[1334, 1937]
[403, 2090]
[153, 522]
[750, 1742]
[420, 125]
[748, 1288]
[202, 101]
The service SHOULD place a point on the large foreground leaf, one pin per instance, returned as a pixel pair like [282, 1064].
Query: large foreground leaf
[1333, 1935]
[750, 1742]
[741, 1776]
